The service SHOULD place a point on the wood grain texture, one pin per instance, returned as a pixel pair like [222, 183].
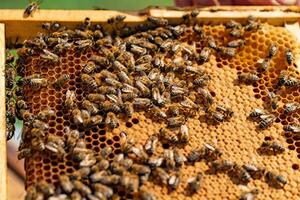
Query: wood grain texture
[17, 26]
[3, 166]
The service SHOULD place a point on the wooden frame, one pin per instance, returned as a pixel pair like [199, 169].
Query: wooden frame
[3, 166]
[18, 27]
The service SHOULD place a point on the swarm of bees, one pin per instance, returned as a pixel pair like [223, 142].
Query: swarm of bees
[136, 69]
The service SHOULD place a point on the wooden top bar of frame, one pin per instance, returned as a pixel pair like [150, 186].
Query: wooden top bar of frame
[17, 26]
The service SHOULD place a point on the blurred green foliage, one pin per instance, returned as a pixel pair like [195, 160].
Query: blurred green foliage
[88, 4]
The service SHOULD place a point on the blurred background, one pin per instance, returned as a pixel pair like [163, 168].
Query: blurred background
[16, 175]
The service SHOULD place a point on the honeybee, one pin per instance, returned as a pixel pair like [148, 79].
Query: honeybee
[255, 172]
[49, 56]
[275, 180]
[103, 164]
[273, 100]
[40, 125]
[204, 54]
[198, 29]
[256, 113]
[236, 43]
[72, 137]
[155, 161]
[90, 107]
[86, 117]
[96, 120]
[266, 120]
[272, 50]
[24, 153]
[168, 135]
[113, 82]
[211, 42]
[263, 64]
[227, 112]
[176, 121]
[222, 166]
[174, 181]
[45, 114]
[287, 80]
[248, 78]
[70, 99]
[55, 144]
[76, 115]
[250, 195]
[240, 174]
[227, 51]
[10, 75]
[294, 128]
[75, 195]
[90, 67]
[38, 144]
[124, 78]
[89, 82]
[36, 83]
[158, 21]
[174, 110]
[184, 133]
[137, 50]
[162, 175]
[271, 148]
[176, 90]
[130, 183]
[53, 26]
[32, 8]
[144, 195]
[117, 65]
[201, 80]
[127, 59]
[206, 96]
[141, 103]
[99, 60]
[157, 113]
[66, 183]
[233, 24]
[95, 97]
[151, 144]
[188, 103]
[195, 155]
[80, 186]
[252, 24]
[210, 152]
[46, 188]
[179, 158]
[194, 183]
[128, 109]
[61, 81]
[291, 107]
[140, 169]
[111, 120]
[154, 74]
[107, 90]
[289, 56]
[236, 32]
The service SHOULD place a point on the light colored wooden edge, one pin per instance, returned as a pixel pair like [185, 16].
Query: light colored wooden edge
[17, 26]
[275, 17]
[3, 165]
[295, 29]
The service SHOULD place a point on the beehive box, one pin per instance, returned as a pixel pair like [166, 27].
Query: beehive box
[238, 139]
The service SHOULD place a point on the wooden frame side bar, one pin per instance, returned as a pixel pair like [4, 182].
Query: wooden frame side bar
[19, 27]
[3, 165]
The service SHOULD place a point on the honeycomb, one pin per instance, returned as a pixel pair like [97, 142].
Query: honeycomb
[238, 139]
